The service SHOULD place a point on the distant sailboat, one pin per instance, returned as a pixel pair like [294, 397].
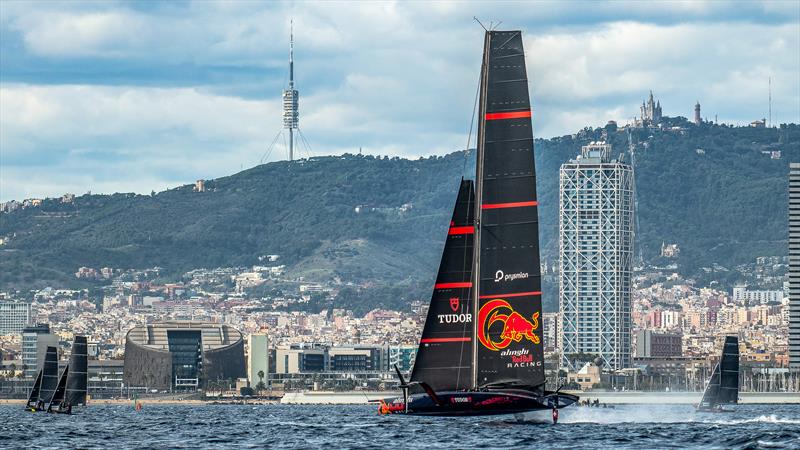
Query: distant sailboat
[57, 404]
[723, 386]
[46, 382]
[78, 377]
[481, 348]
[33, 398]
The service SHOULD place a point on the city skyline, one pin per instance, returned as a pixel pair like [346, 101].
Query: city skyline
[90, 106]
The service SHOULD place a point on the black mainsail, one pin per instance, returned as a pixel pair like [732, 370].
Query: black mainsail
[509, 308]
[723, 386]
[33, 398]
[444, 357]
[49, 375]
[78, 379]
[57, 401]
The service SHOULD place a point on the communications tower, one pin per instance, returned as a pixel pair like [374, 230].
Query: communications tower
[291, 112]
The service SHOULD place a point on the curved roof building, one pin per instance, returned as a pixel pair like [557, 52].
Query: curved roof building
[182, 354]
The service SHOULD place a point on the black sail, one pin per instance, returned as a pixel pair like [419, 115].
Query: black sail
[444, 358]
[77, 380]
[34, 396]
[711, 394]
[729, 371]
[509, 311]
[61, 391]
[49, 374]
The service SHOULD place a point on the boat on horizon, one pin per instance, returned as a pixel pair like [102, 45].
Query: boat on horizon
[481, 347]
[723, 385]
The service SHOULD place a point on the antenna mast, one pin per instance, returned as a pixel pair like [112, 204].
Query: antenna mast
[291, 98]
[770, 102]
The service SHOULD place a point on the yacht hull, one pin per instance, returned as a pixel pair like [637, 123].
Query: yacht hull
[476, 403]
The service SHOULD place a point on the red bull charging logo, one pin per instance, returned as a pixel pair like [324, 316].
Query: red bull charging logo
[515, 326]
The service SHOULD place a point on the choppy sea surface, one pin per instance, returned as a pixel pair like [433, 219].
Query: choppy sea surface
[248, 426]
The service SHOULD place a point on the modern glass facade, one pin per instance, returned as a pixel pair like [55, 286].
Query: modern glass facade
[186, 348]
[14, 316]
[794, 266]
[595, 257]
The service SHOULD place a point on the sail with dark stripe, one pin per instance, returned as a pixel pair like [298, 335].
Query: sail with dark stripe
[711, 394]
[509, 310]
[729, 371]
[77, 380]
[49, 374]
[33, 398]
[60, 393]
[444, 358]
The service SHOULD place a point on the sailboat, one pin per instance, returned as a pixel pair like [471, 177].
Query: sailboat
[57, 404]
[723, 386]
[77, 380]
[46, 381]
[481, 347]
[71, 389]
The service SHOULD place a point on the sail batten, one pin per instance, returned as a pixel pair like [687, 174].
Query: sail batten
[508, 291]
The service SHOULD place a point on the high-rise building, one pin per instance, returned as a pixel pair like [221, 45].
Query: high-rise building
[14, 316]
[35, 340]
[258, 360]
[596, 233]
[794, 266]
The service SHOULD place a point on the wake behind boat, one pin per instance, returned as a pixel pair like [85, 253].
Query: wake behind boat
[481, 347]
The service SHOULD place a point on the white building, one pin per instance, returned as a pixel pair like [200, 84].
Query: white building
[14, 316]
[742, 295]
[794, 266]
[596, 249]
[35, 341]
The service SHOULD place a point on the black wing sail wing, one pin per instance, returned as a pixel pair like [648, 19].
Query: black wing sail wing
[509, 303]
[77, 379]
[34, 397]
[444, 358]
[711, 394]
[49, 374]
[729, 371]
[61, 391]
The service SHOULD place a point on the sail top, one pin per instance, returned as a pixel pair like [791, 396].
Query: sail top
[508, 304]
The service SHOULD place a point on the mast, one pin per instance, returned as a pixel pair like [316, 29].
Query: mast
[476, 267]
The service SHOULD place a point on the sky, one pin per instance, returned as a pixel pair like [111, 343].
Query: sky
[111, 96]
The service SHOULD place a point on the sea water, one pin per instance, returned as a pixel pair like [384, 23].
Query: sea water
[304, 426]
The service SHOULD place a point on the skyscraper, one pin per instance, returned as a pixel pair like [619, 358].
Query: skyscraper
[794, 266]
[596, 252]
[35, 340]
[14, 316]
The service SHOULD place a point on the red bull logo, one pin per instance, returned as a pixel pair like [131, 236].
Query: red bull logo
[515, 326]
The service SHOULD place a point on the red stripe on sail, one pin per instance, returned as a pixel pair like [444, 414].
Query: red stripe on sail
[465, 284]
[461, 339]
[517, 294]
[508, 205]
[461, 230]
[508, 115]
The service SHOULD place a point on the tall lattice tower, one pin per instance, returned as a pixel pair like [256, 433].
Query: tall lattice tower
[291, 110]
[595, 256]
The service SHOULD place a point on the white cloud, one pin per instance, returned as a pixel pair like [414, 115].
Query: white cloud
[394, 78]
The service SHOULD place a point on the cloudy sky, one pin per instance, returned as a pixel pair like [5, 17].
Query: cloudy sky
[139, 96]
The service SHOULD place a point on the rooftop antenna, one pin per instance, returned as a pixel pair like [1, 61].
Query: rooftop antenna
[480, 23]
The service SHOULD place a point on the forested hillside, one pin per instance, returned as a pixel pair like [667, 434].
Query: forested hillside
[381, 221]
